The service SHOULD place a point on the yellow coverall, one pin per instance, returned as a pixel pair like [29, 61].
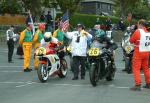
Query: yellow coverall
[26, 42]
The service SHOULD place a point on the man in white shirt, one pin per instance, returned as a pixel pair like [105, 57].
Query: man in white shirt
[10, 42]
[79, 49]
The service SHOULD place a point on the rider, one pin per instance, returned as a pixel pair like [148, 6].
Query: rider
[108, 43]
[52, 43]
[48, 39]
[36, 41]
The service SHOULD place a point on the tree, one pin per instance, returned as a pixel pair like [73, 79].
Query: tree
[123, 5]
[6, 7]
[70, 5]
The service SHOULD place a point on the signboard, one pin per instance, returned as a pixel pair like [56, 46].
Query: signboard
[144, 41]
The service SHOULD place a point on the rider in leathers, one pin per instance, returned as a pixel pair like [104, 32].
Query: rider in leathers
[110, 45]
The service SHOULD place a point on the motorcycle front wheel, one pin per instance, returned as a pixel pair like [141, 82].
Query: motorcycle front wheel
[63, 68]
[111, 74]
[42, 73]
[93, 73]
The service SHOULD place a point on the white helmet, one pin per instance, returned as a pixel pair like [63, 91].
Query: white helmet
[47, 36]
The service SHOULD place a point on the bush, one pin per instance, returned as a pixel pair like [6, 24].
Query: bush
[88, 20]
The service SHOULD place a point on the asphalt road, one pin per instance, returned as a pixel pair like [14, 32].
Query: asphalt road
[19, 87]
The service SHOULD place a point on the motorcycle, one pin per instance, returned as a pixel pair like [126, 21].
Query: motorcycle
[50, 63]
[128, 49]
[101, 65]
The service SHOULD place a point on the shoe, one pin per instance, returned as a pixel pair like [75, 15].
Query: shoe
[21, 58]
[27, 70]
[136, 88]
[82, 78]
[75, 78]
[147, 86]
[35, 68]
[124, 70]
[10, 62]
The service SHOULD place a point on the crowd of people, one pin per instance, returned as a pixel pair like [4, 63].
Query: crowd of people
[80, 41]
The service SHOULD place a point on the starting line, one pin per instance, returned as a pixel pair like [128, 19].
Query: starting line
[23, 84]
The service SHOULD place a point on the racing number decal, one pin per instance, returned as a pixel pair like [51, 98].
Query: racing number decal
[94, 52]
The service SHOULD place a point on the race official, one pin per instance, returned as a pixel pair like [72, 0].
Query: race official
[38, 36]
[140, 59]
[79, 49]
[26, 42]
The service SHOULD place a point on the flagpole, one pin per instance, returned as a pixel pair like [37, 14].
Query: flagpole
[33, 28]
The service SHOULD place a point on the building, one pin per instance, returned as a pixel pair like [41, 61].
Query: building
[98, 7]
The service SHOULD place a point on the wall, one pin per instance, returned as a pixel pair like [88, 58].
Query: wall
[12, 19]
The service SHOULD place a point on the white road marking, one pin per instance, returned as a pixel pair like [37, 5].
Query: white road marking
[24, 84]
[14, 71]
[73, 85]
[12, 82]
[12, 66]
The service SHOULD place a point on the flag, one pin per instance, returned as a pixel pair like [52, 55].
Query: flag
[64, 23]
[31, 23]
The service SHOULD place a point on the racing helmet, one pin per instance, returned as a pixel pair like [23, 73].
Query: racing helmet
[128, 29]
[47, 36]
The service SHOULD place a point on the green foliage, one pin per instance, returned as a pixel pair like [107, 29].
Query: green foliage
[138, 8]
[71, 5]
[10, 6]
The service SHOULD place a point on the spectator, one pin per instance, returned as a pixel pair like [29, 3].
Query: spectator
[28, 20]
[121, 24]
[48, 22]
[42, 18]
[10, 42]
[108, 24]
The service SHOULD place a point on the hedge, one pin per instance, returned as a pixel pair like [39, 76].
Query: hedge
[89, 20]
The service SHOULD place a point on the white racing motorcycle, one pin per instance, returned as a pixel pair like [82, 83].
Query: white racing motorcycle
[50, 64]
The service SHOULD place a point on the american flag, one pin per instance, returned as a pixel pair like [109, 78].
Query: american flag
[64, 23]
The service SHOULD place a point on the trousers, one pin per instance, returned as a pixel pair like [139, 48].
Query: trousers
[137, 65]
[10, 44]
[27, 47]
[77, 61]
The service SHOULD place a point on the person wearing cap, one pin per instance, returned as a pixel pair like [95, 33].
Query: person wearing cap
[139, 59]
[79, 49]
[38, 36]
[26, 42]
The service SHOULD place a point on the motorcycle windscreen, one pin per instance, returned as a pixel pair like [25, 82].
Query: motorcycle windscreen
[96, 44]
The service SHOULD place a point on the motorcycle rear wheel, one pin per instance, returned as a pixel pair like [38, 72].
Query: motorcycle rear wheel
[42, 73]
[63, 68]
[93, 73]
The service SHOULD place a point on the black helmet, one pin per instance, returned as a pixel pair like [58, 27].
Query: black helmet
[80, 26]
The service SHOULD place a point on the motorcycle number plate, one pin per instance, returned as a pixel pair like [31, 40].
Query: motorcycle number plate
[94, 52]
[41, 51]
[128, 49]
